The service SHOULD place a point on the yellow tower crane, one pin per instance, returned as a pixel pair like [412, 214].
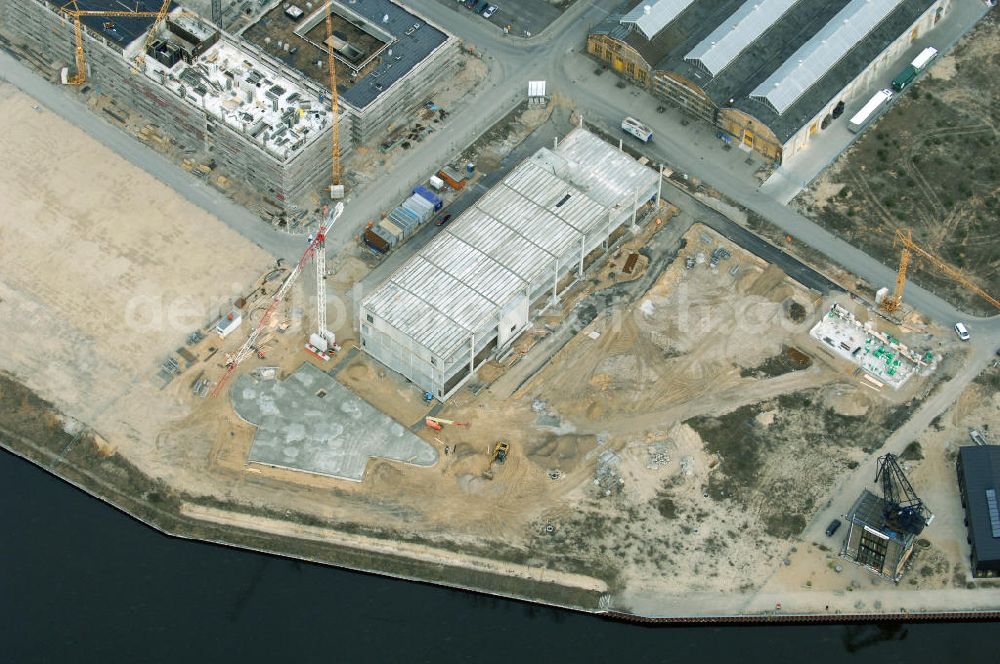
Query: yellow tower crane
[72, 10]
[336, 184]
[909, 247]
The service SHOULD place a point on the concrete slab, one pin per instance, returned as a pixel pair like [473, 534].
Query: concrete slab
[311, 423]
[882, 357]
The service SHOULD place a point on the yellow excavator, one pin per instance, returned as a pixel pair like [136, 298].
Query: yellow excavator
[497, 454]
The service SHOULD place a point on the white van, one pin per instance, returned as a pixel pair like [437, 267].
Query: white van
[637, 129]
[962, 331]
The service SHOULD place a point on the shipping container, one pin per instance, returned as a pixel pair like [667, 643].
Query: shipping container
[376, 242]
[430, 196]
[391, 232]
[420, 206]
[453, 177]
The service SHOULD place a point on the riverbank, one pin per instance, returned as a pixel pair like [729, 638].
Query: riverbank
[34, 431]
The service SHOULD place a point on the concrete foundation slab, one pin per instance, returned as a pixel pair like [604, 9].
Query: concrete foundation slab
[310, 422]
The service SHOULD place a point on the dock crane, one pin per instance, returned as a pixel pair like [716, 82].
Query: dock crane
[73, 11]
[909, 247]
[316, 251]
[903, 509]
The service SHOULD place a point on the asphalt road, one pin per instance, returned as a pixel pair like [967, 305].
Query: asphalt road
[753, 243]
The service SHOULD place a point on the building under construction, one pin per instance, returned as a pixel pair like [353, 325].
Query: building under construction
[881, 530]
[255, 104]
[471, 291]
[770, 73]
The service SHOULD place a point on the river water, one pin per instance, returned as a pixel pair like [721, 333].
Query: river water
[82, 582]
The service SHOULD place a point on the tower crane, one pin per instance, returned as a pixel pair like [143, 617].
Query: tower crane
[909, 247]
[80, 77]
[336, 185]
[322, 339]
[315, 251]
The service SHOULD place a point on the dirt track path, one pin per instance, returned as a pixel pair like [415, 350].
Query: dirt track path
[404, 549]
[718, 402]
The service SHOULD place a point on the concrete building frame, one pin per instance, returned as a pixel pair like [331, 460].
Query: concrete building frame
[470, 292]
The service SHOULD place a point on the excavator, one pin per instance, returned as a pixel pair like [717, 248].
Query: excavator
[497, 454]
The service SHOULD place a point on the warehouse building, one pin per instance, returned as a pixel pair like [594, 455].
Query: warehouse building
[471, 291]
[770, 73]
[249, 106]
[979, 483]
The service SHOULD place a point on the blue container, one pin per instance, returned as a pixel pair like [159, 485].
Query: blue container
[430, 196]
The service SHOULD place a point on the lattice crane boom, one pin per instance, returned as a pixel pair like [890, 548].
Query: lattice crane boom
[80, 77]
[140, 57]
[248, 347]
[903, 508]
[909, 247]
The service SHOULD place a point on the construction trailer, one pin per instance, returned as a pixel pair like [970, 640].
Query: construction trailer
[978, 469]
[471, 291]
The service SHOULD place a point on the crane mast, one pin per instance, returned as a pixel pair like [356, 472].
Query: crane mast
[909, 248]
[336, 186]
[76, 14]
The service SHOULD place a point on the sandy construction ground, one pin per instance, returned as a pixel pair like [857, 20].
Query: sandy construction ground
[675, 447]
[105, 271]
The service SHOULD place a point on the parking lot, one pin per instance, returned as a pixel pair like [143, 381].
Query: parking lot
[519, 18]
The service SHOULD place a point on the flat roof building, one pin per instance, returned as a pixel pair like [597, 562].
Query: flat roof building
[772, 73]
[979, 483]
[256, 103]
[474, 288]
[389, 58]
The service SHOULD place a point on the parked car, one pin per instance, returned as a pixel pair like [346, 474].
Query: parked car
[470, 4]
[480, 6]
[962, 331]
[490, 11]
[442, 219]
[832, 528]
